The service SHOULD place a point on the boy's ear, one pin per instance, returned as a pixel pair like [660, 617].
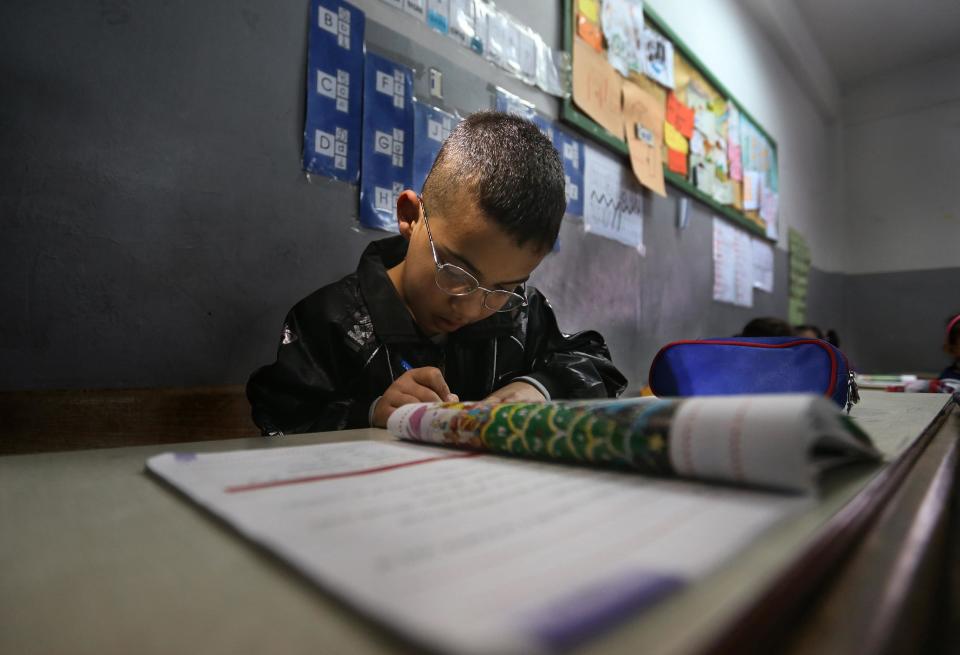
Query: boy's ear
[408, 212]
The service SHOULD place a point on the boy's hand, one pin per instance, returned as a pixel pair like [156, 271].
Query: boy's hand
[516, 392]
[418, 385]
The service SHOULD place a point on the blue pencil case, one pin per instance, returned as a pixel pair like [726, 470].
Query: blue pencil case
[747, 365]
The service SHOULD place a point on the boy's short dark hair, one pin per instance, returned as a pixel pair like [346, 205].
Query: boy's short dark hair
[509, 169]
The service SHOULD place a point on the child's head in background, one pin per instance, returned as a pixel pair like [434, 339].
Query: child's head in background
[807, 331]
[951, 342]
[767, 326]
[492, 206]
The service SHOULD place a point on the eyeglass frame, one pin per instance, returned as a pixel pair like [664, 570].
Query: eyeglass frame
[468, 274]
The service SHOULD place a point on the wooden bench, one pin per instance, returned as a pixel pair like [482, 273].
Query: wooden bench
[45, 420]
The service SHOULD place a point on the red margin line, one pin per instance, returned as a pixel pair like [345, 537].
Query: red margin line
[344, 474]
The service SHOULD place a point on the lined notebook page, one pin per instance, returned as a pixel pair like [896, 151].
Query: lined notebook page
[475, 553]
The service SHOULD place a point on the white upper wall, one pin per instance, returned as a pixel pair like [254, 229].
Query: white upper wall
[902, 168]
[784, 83]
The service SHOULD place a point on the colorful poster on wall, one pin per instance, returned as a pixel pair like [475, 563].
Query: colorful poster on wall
[757, 153]
[332, 128]
[679, 115]
[387, 164]
[733, 142]
[705, 134]
[613, 203]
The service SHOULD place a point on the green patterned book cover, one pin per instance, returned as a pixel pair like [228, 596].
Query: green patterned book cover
[781, 441]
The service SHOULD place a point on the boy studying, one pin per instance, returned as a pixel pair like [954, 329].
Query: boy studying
[442, 311]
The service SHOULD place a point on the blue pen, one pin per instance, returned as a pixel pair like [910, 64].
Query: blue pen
[406, 365]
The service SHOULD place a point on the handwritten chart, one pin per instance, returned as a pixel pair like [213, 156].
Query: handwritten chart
[613, 204]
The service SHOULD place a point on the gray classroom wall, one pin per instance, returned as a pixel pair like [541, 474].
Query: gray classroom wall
[901, 144]
[157, 225]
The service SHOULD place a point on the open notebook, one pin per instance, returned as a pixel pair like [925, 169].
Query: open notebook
[469, 552]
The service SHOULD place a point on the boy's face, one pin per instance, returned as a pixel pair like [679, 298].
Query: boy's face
[468, 240]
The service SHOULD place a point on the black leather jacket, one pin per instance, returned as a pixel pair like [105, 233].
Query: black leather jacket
[342, 347]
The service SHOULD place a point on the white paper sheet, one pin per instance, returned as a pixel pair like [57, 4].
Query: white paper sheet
[658, 58]
[471, 553]
[762, 264]
[744, 285]
[622, 22]
[732, 265]
[769, 203]
[612, 200]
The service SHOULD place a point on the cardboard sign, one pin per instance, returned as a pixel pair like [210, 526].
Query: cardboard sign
[597, 87]
[643, 124]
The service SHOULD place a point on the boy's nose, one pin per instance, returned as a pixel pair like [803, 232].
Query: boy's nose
[470, 307]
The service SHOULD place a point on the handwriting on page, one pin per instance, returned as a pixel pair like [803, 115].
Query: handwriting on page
[474, 553]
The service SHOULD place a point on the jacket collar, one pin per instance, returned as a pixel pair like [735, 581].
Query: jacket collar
[391, 320]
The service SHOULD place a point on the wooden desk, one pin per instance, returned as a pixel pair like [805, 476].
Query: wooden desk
[97, 557]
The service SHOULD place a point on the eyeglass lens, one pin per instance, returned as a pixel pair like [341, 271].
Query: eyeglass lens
[454, 280]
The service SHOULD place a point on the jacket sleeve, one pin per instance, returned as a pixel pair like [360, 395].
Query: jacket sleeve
[568, 366]
[308, 388]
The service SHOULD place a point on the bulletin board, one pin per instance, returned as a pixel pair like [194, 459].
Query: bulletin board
[741, 184]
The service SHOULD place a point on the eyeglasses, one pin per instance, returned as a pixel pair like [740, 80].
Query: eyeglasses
[455, 281]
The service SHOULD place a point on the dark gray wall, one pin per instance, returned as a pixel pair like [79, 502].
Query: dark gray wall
[897, 321]
[156, 222]
[157, 225]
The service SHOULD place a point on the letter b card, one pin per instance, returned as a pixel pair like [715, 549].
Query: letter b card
[332, 130]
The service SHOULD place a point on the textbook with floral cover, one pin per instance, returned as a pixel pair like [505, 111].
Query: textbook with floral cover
[780, 441]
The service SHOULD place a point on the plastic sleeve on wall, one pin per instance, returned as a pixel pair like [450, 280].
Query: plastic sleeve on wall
[462, 23]
[553, 69]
